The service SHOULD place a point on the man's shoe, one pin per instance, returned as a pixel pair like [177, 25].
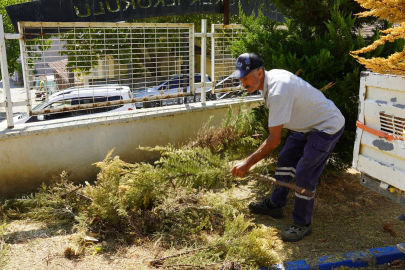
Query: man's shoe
[266, 208]
[296, 232]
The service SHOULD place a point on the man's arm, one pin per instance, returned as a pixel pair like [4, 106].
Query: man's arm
[265, 149]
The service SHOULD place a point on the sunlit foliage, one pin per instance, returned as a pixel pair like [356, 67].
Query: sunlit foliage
[391, 10]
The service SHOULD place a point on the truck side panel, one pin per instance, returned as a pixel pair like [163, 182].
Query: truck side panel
[382, 108]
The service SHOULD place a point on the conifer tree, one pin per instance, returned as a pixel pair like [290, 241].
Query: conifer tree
[391, 10]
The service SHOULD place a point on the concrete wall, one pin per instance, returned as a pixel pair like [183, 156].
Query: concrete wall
[35, 153]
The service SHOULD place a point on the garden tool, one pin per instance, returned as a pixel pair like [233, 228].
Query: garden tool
[298, 189]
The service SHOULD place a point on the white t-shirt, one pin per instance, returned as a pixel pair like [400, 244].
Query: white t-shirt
[297, 105]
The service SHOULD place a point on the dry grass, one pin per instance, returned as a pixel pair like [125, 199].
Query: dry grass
[347, 217]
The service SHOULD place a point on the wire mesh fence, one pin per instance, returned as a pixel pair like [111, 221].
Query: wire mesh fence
[223, 62]
[73, 63]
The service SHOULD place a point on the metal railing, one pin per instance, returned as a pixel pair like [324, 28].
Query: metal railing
[223, 63]
[71, 64]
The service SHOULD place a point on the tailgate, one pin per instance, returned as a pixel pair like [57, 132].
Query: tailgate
[381, 108]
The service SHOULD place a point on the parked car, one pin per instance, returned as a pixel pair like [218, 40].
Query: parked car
[172, 86]
[74, 97]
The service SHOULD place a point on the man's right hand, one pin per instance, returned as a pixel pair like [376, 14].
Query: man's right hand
[267, 146]
[240, 169]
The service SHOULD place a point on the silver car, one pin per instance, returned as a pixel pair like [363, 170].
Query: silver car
[69, 98]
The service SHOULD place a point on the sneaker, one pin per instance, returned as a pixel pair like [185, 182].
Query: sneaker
[266, 208]
[296, 232]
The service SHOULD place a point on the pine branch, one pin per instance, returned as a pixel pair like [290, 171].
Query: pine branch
[70, 192]
[190, 265]
[78, 194]
[179, 175]
[156, 262]
[135, 228]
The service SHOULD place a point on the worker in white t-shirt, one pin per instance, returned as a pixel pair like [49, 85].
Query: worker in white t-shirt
[318, 124]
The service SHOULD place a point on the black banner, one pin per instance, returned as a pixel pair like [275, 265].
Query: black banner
[124, 10]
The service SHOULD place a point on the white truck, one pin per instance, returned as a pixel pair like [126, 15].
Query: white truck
[379, 149]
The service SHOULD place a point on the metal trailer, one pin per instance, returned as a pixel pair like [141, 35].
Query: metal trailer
[379, 149]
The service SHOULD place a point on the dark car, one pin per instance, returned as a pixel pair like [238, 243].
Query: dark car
[173, 85]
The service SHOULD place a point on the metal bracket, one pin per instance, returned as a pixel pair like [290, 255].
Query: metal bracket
[375, 185]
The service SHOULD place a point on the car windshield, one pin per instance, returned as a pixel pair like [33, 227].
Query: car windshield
[39, 105]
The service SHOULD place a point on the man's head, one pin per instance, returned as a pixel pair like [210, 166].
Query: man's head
[250, 71]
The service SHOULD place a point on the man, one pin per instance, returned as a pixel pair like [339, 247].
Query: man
[296, 105]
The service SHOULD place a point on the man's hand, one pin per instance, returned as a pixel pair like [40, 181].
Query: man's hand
[267, 146]
[240, 169]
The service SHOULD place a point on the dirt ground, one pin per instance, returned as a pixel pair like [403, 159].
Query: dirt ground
[347, 217]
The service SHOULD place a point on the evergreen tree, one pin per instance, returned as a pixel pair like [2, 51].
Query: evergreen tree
[309, 16]
[392, 11]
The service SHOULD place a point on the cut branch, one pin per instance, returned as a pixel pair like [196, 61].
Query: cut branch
[70, 192]
[135, 228]
[78, 194]
[156, 262]
[159, 261]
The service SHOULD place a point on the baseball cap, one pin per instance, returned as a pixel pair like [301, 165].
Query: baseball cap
[245, 63]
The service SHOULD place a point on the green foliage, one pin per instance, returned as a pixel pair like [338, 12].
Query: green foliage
[242, 241]
[250, 246]
[308, 16]
[3, 258]
[238, 131]
[317, 49]
[54, 203]
[194, 167]
[12, 46]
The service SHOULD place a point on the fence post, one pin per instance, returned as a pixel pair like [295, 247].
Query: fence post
[24, 71]
[5, 77]
[191, 60]
[203, 59]
[213, 59]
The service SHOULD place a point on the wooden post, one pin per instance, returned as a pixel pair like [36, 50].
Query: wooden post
[226, 12]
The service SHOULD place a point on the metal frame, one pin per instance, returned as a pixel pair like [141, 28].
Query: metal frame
[375, 185]
[215, 38]
[142, 35]
[8, 104]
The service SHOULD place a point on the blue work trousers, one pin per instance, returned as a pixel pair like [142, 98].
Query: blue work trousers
[303, 157]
